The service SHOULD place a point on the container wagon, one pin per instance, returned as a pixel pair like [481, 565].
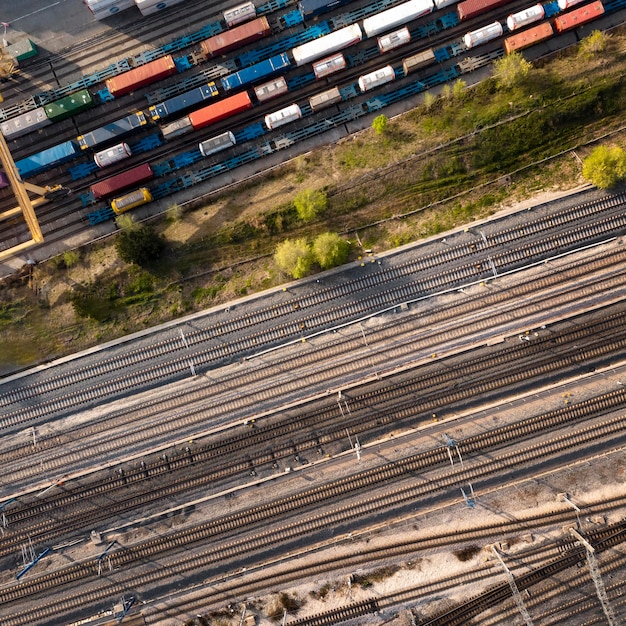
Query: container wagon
[311, 8]
[483, 35]
[236, 37]
[282, 117]
[141, 76]
[396, 16]
[418, 61]
[376, 78]
[472, 8]
[394, 40]
[272, 89]
[256, 72]
[313, 50]
[325, 99]
[122, 181]
[183, 102]
[113, 131]
[220, 110]
[240, 14]
[329, 66]
[579, 17]
[525, 17]
[177, 128]
[105, 8]
[112, 155]
[148, 7]
[131, 200]
[528, 38]
[68, 106]
[47, 159]
[217, 144]
[24, 123]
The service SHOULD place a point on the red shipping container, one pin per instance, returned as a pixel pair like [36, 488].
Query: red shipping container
[121, 181]
[528, 37]
[471, 8]
[142, 75]
[220, 110]
[579, 17]
[236, 37]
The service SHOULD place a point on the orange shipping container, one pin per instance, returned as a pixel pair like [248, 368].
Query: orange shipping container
[142, 75]
[220, 110]
[528, 38]
[581, 16]
[236, 37]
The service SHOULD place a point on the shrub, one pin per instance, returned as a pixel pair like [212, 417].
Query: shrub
[330, 250]
[511, 70]
[142, 245]
[174, 213]
[294, 257]
[71, 258]
[429, 100]
[126, 221]
[380, 124]
[605, 166]
[309, 203]
[458, 89]
[592, 44]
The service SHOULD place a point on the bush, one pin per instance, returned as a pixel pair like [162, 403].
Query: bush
[592, 44]
[330, 250]
[510, 70]
[605, 166]
[309, 203]
[71, 258]
[380, 124]
[294, 257]
[142, 245]
[458, 89]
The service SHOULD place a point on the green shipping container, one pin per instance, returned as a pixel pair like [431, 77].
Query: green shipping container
[22, 50]
[68, 106]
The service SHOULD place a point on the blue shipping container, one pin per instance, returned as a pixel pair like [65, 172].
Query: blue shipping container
[183, 102]
[111, 132]
[46, 159]
[256, 72]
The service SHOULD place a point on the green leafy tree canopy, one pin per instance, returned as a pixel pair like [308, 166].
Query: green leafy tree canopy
[309, 203]
[142, 245]
[511, 69]
[605, 166]
[294, 257]
[380, 124]
[330, 250]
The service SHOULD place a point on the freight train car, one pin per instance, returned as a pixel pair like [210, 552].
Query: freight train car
[131, 200]
[141, 76]
[418, 61]
[376, 78]
[183, 102]
[396, 16]
[236, 37]
[256, 72]
[220, 110]
[329, 66]
[313, 50]
[524, 18]
[472, 8]
[68, 106]
[282, 117]
[577, 18]
[240, 14]
[122, 181]
[394, 40]
[311, 8]
[483, 35]
[325, 99]
[112, 155]
[105, 8]
[271, 89]
[177, 128]
[47, 159]
[148, 7]
[113, 131]
[217, 144]
[528, 38]
[24, 123]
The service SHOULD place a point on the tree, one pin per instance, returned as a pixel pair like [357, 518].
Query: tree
[330, 250]
[511, 69]
[380, 124]
[605, 166]
[294, 257]
[458, 89]
[142, 245]
[592, 44]
[309, 203]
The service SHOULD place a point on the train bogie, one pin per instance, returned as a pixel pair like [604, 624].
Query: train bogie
[394, 40]
[220, 110]
[313, 50]
[528, 38]
[329, 65]
[68, 106]
[112, 155]
[236, 37]
[141, 76]
[114, 130]
[377, 78]
[483, 35]
[217, 144]
[47, 159]
[240, 14]
[418, 61]
[396, 16]
[122, 181]
[256, 72]
[282, 117]
[177, 128]
[525, 17]
[579, 17]
[325, 99]
[183, 102]
[472, 8]
[131, 200]
[25, 123]
[271, 89]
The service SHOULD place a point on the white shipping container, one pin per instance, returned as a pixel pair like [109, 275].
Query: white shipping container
[396, 16]
[566, 4]
[313, 50]
[240, 14]
[376, 78]
[394, 40]
[112, 155]
[148, 7]
[217, 144]
[271, 89]
[483, 35]
[102, 9]
[525, 17]
[284, 116]
[329, 66]
[325, 99]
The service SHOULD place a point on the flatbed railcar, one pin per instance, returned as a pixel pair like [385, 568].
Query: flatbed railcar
[528, 38]
[122, 181]
[325, 99]
[70, 105]
[394, 40]
[577, 18]
[183, 102]
[46, 159]
[148, 7]
[418, 61]
[236, 37]
[141, 76]
[256, 72]
[271, 89]
[311, 8]
[25, 123]
[523, 18]
[102, 9]
[472, 8]
[113, 131]
[220, 110]
[396, 16]
[240, 14]
[333, 42]
[329, 65]
[131, 200]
